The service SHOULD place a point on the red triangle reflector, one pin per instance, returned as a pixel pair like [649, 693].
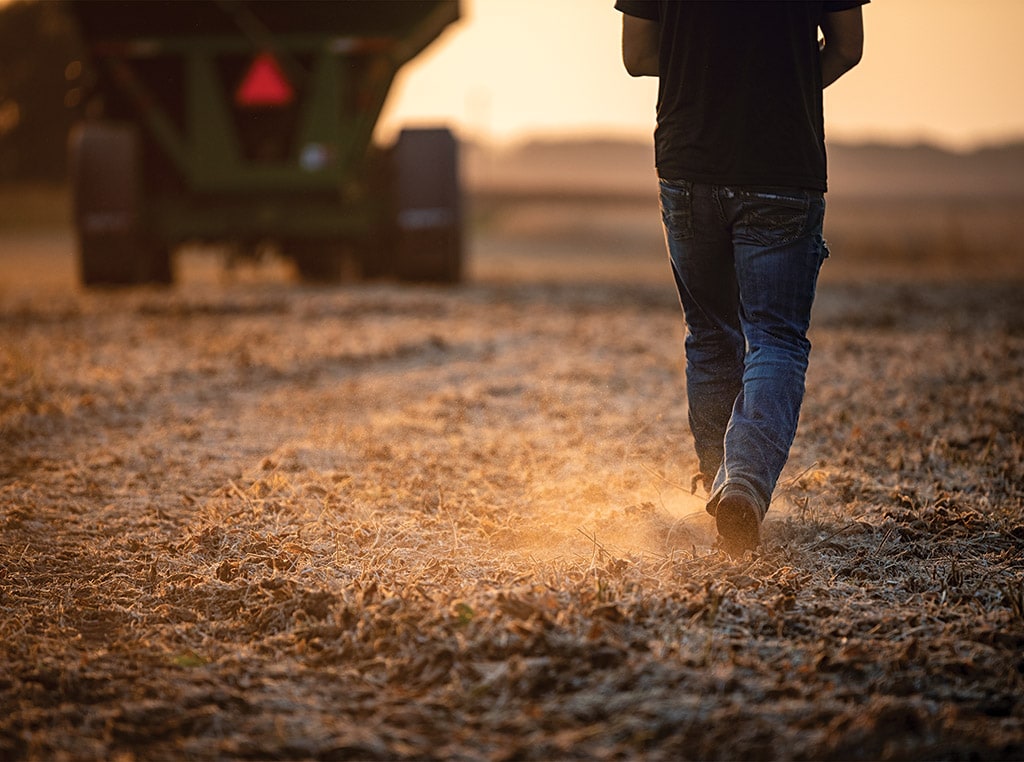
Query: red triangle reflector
[264, 84]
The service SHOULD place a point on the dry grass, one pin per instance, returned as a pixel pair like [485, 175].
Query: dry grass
[257, 520]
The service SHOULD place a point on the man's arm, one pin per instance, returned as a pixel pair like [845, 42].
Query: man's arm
[844, 43]
[640, 45]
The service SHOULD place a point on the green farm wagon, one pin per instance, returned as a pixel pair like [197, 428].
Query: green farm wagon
[248, 124]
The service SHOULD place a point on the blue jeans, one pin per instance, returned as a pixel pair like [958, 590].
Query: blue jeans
[746, 263]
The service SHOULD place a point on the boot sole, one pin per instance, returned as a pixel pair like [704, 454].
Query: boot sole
[739, 524]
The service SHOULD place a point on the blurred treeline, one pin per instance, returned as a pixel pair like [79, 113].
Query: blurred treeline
[40, 66]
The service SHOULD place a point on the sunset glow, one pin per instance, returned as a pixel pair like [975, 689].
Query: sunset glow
[940, 70]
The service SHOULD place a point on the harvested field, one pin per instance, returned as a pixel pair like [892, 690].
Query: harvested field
[246, 518]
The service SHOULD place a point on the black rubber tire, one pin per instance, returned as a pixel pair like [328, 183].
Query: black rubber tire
[320, 262]
[428, 242]
[376, 251]
[161, 272]
[106, 176]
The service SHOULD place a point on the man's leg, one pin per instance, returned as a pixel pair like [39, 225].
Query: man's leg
[778, 254]
[700, 249]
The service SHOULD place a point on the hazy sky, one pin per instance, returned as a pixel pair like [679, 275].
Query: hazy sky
[949, 71]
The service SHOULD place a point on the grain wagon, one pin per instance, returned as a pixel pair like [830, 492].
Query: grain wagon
[248, 124]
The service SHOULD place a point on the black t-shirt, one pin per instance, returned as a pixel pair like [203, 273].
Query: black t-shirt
[739, 94]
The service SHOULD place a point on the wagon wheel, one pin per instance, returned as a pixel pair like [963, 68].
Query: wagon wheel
[428, 244]
[114, 247]
[376, 250]
[319, 261]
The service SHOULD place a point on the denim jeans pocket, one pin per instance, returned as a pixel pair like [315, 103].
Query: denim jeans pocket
[770, 218]
[676, 198]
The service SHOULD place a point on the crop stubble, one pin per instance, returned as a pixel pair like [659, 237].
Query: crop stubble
[267, 521]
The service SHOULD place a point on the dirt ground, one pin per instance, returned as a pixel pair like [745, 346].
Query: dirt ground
[251, 519]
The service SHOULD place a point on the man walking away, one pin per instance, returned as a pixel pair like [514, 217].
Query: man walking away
[740, 154]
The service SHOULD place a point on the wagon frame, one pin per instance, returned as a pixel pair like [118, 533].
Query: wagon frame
[250, 122]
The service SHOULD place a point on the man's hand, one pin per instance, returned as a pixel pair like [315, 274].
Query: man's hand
[843, 44]
[640, 45]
